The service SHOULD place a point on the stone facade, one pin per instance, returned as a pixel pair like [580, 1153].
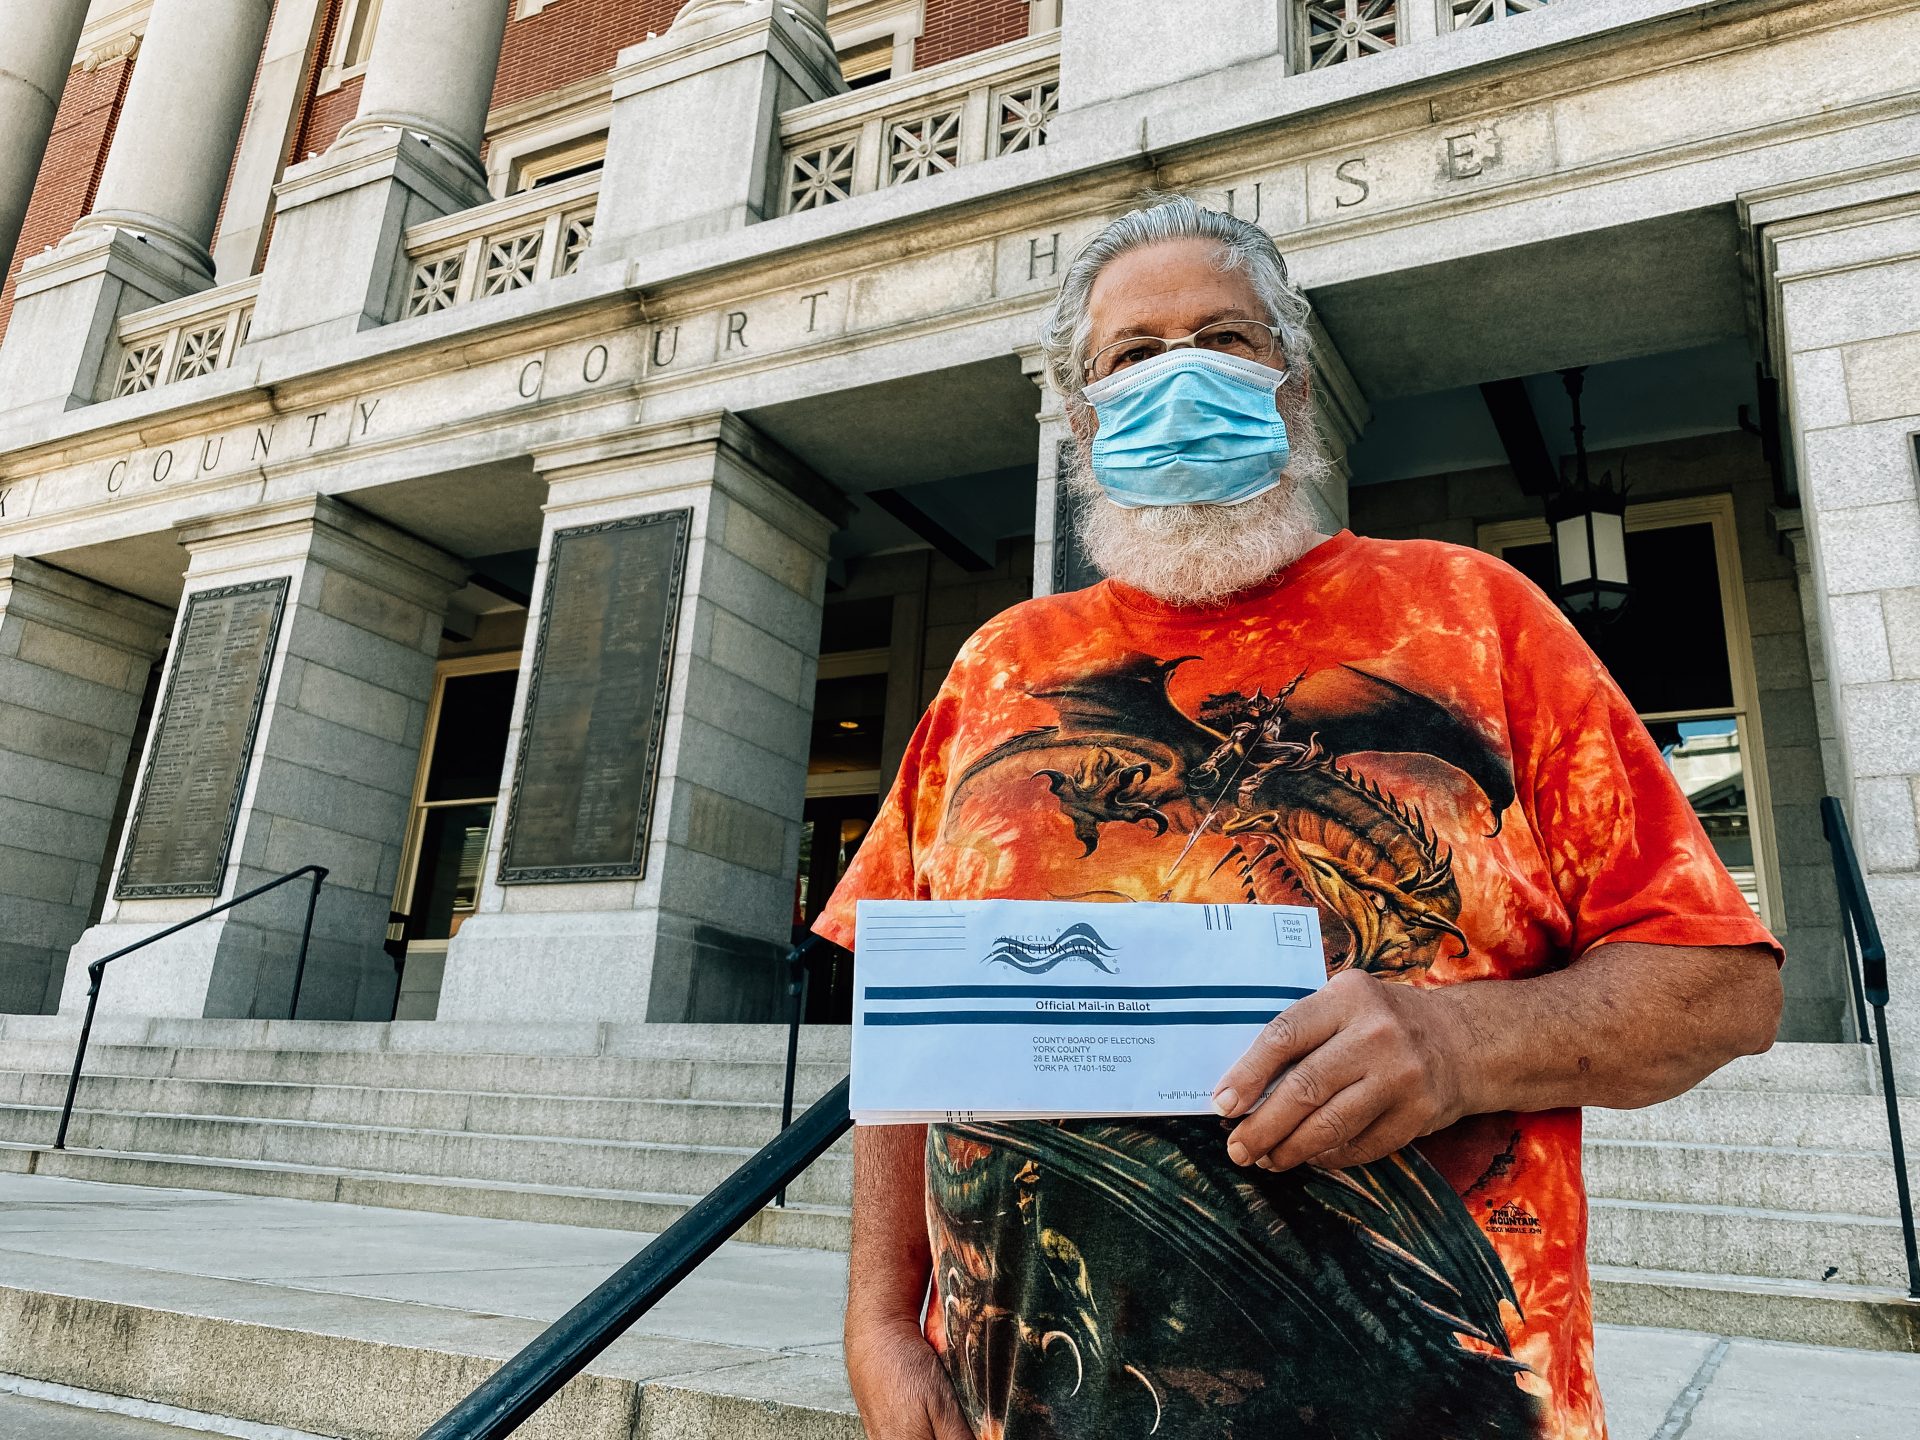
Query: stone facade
[810, 324]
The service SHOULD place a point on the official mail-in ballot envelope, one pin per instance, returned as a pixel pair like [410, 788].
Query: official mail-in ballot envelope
[1006, 1009]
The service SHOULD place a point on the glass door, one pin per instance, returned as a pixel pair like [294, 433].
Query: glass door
[453, 803]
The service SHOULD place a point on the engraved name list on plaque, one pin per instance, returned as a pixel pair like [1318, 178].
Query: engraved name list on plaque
[202, 742]
[596, 702]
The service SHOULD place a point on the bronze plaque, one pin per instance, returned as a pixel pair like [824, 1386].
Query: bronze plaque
[596, 702]
[203, 742]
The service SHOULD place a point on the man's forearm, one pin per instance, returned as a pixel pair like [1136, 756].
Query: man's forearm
[1624, 1026]
[889, 1263]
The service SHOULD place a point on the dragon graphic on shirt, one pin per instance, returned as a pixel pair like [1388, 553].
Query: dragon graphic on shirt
[1269, 773]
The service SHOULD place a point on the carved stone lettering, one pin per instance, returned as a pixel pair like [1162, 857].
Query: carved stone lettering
[596, 702]
[203, 742]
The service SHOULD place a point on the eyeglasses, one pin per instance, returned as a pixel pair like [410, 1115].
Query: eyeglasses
[1249, 339]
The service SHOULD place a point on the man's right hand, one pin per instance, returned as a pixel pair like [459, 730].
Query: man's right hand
[901, 1387]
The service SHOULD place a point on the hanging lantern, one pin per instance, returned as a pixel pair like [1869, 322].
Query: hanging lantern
[1589, 521]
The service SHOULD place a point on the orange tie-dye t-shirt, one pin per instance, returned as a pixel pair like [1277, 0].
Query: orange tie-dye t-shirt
[1408, 736]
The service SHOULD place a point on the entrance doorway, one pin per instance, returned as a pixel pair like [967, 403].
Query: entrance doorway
[843, 780]
[1680, 650]
[453, 802]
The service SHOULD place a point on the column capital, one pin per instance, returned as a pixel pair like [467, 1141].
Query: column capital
[318, 526]
[700, 435]
[39, 591]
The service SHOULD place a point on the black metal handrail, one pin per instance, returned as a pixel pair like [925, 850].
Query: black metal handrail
[800, 962]
[98, 967]
[568, 1346]
[1867, 973]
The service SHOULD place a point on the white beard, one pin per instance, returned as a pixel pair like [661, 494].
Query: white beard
[1199, 554]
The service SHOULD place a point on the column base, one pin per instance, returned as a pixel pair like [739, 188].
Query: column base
[66, 309]
[720, 77]
[338, 263]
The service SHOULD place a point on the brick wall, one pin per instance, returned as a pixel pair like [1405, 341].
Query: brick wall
[572, 39]
[327, 115]
[960, 27]
[82, 128]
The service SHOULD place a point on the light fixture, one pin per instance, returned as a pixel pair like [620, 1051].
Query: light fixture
[849, 724]
[1589, 521]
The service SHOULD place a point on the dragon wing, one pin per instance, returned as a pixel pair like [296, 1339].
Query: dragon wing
[1123, 706]
[1352, 710]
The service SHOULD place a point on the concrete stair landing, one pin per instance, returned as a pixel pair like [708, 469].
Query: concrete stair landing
[1761, 1204]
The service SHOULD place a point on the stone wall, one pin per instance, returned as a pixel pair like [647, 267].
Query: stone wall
[1451, 507]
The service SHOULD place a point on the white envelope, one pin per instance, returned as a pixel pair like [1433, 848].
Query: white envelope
[1020, 1009]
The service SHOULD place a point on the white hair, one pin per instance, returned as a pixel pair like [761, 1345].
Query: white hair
[1191, 554]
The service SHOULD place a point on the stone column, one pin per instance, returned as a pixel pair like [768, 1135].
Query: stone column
[411, 154]
[699, 935]
[329, 779]
[37, 43]
[718, 82]
[173, 146]
[279, 101]
[432, 73]
[74, 661]
[1841, 257]
[1056, 564]
[146, 241]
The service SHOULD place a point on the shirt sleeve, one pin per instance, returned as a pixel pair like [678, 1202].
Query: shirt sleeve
[1628, 856]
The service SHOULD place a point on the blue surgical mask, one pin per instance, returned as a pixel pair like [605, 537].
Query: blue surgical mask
[1190, 427]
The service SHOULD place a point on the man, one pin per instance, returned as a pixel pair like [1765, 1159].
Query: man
[1384, 1234]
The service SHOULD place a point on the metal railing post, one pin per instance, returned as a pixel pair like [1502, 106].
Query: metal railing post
[1867, 970]
[98, 969]
[79, 1054]
[798, 972]
[306, 936]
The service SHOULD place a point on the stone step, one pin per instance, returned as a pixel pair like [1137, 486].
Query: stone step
[673, 1121]
[1731, 1117]
[798, 1225]
[1727, 1240]
[1761, 1177]
[744, 1351]
[680, 1169]
[557, 1040]
[1859, 1317]
[617, 1076]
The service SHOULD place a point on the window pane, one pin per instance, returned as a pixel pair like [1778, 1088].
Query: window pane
[453, 847]
[848, 715]
[1706, 759]
[470, 740]
[1668, 648]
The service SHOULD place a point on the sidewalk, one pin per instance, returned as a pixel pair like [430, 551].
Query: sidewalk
[413, 1303]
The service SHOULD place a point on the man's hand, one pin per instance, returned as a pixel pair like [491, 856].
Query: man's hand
[1364, 1067]
[901, 1387]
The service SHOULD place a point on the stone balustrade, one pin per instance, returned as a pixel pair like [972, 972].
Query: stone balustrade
[193, 336]
[976, 108]
[498, 248]
[1332, 32]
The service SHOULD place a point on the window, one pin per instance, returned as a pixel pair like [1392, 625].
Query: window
[1681, 652]
[352, 42]
[874, 38]
[563, 161]
[868, 64]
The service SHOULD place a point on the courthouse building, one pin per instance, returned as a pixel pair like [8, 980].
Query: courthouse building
[537, 458]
